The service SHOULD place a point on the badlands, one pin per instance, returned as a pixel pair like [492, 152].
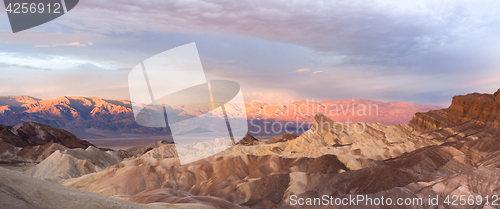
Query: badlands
[453, 151]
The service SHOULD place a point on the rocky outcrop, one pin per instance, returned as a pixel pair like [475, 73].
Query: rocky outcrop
[484, 108]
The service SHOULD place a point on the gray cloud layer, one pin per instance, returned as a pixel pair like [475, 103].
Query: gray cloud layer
[367, 49]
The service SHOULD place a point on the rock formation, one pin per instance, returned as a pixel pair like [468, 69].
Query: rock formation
[484, 108]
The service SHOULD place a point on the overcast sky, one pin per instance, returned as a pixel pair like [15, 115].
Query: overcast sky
[280, 51]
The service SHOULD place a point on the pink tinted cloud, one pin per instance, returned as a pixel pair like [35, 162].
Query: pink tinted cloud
[77, 44]
[303, 70]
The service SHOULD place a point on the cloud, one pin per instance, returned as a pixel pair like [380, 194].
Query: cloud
[54, 84]
[325, 25]
[417, 48]
[10, 61]
[389, 34]
[303, 70]
[48, 35]
[270, 96]
[317, 72]
[77, 44]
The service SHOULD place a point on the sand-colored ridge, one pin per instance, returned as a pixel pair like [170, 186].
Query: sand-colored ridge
[73, 163]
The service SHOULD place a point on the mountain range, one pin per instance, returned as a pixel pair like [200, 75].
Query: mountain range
[93, 117]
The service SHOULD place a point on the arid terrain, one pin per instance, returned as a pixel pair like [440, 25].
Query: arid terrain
[439, 153]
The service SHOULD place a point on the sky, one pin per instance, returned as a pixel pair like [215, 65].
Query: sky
[279, 51]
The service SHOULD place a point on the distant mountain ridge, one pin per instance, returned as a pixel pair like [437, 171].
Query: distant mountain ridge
[94, 117]
[82, 116]
[356, 110]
